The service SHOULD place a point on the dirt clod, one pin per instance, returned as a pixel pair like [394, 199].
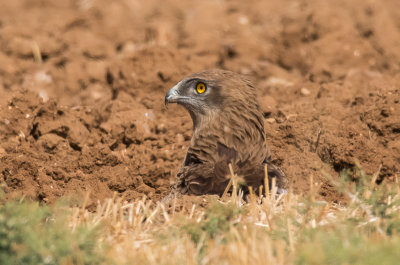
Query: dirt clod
[82, 89]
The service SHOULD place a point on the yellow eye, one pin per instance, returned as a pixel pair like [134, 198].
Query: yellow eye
[201, 88]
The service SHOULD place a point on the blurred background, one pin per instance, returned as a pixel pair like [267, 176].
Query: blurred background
[65, 48]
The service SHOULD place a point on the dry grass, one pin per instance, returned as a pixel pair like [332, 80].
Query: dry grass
[265, 229]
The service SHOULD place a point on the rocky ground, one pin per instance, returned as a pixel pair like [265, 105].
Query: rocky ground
[82, 86]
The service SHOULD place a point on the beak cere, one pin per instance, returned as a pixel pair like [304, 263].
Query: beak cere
[172, 95]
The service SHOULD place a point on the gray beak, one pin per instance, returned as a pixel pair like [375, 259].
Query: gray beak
[172, 95]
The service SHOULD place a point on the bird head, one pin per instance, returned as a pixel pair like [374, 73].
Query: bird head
[212, 92]
[197, 93]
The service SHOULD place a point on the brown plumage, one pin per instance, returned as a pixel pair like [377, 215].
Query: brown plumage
[228, 127]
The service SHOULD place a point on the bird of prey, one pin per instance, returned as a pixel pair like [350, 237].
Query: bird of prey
[228, 128]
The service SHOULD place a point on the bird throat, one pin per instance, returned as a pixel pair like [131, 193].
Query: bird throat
[202, 119]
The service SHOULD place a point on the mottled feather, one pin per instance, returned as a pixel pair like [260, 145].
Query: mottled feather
[228, 127]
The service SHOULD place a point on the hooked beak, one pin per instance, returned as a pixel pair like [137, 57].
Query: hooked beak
[172, 96]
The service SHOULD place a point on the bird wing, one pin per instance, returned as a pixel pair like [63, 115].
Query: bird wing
[199, 177]
[206, 166]
[202, 178]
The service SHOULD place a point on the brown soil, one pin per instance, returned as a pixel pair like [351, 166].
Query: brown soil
[82, 85]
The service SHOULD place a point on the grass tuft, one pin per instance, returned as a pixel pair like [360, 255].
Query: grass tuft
[33, 234]
[261, 229]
